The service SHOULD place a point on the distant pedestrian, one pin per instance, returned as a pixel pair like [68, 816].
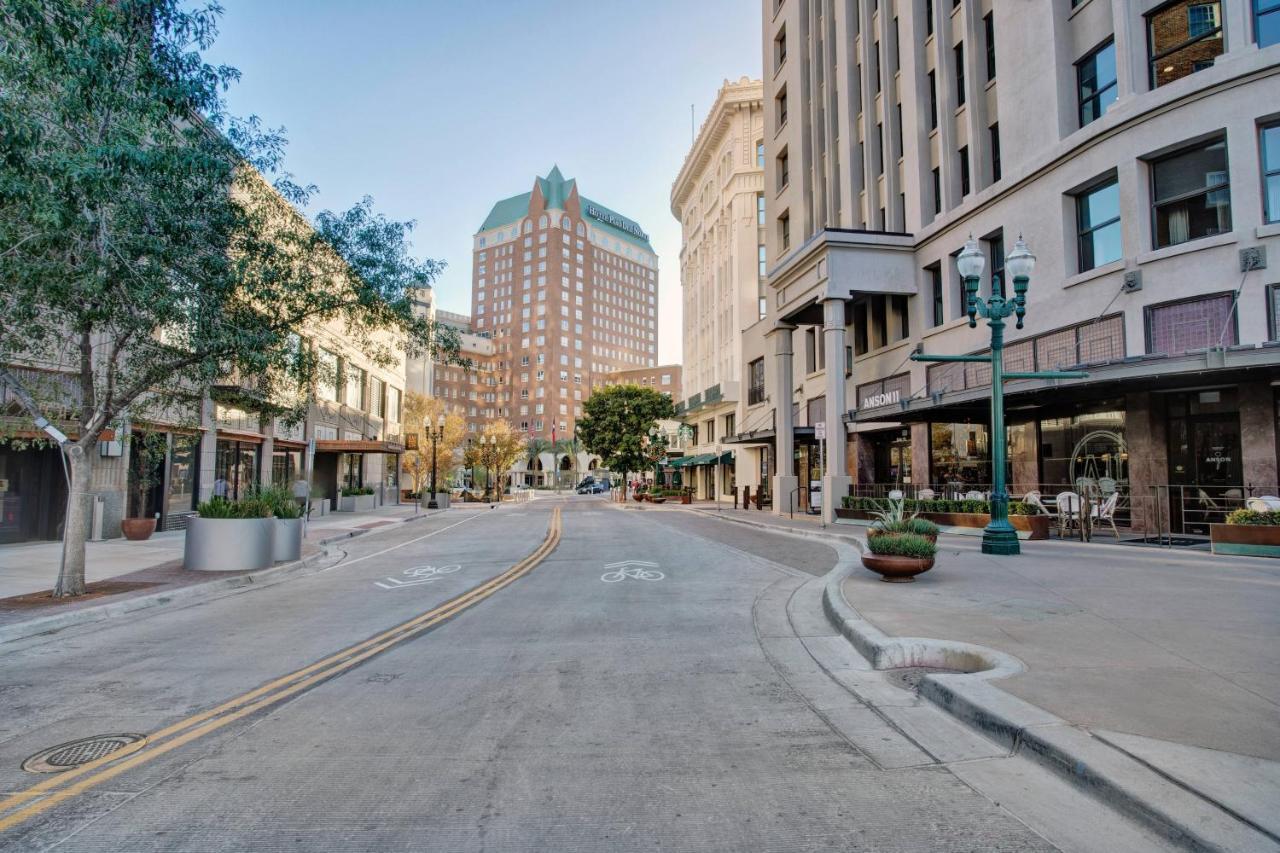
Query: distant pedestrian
[220, 487]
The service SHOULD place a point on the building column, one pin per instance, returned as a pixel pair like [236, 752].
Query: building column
[784, 480]
[1258, 462]
[835, 479]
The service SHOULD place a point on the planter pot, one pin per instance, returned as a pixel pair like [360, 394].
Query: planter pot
[287, 540]
[137, 529]
[1036, 525]
[356, 503]
[639, 498]
[686, 499]
[442, 500]
[229, 544]
[1245, 540]
[896, 569]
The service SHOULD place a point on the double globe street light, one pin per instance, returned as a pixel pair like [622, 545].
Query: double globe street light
[999, 536]
[435, 435]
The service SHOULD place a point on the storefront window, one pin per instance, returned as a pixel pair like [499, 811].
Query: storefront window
[1085, 453]
[183, 467]
[391, 469]
[350, 471]
[960, 454]
[235, 469]
[286, 467]
[1205, 470]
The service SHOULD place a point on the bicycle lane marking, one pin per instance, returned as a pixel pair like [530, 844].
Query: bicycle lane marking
[641, 570]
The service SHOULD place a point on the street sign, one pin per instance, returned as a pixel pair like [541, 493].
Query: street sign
[820, 430]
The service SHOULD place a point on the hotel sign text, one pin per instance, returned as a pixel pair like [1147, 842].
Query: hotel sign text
[616, 221]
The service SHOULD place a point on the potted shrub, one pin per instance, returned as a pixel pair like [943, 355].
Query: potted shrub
[147, 454]
[356, 499]
[1247, 532]
[898, 558]
[686, 495]
[230, 536]
[287, 536]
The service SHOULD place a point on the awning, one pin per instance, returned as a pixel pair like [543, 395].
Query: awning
[680, 461]
[358, 446]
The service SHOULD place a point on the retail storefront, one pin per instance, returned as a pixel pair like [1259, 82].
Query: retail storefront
[1182, 445]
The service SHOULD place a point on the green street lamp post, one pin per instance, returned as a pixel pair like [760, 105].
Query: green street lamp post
[999, 537]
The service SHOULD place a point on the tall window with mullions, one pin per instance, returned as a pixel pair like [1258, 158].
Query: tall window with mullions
[1266, 22]
[1098, 224]
[1096, 82]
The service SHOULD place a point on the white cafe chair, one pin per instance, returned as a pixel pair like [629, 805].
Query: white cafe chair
[1106, 512]
[1068, 511]
[926, 494]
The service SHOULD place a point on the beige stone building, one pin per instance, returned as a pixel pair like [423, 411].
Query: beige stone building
[1133, 144]
[718, 198]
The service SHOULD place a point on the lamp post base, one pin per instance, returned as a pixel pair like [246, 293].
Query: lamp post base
[1000, 539]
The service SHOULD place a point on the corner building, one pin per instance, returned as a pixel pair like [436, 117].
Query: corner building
[567, 290]
[1135, 146]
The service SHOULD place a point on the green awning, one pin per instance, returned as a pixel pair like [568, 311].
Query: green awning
[680, 461]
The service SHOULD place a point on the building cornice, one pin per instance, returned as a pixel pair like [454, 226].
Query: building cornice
[731, 97]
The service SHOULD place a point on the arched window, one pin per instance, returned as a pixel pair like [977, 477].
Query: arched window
[566, 224]
[581, 230]
[481, 242]
[528, 226]
[542, 221]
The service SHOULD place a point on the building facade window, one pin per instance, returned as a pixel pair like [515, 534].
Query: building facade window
[780, 102]
[1191, 324]
[780, 48]
[1183, 37]
[764, 269]
[964, 170]
[784, 230]
[760, 208]
[937, 191]
[759, 155]
[989, 31]
[784, 170]
[959, 57]
[1098, 224]
[1273, 312]
[755, 382]
[936, 290]
[1271, 171]
[928, 18]
[933, 100]
[1266, 22]
[1191, 193]
[995, 152]
[1096, 82]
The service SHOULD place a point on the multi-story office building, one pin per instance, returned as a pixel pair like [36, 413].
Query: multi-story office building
[719, 200]
[1133, 144]
[566, 289]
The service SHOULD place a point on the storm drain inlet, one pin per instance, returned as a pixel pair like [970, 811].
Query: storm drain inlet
[72, 754]
[909, 677]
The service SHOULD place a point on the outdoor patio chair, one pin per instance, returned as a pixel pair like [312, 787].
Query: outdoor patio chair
[1106, 512]
[1068, 511]
[1271, 501]
[1086, 486]
[895, 495]
[1257, 505]
[926, 494]
[974, 495]
[1107, 485]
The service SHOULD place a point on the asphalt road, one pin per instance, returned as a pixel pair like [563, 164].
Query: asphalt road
[559, 713]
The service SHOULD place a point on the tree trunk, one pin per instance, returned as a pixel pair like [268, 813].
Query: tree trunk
[76, 527]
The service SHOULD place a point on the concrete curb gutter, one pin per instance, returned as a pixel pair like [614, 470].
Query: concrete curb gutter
[193, 592]
[1185, 817]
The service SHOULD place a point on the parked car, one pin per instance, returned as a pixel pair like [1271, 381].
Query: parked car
[595, 487]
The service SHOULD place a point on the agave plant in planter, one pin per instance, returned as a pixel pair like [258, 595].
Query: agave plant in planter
[899, 557]
[894, 521]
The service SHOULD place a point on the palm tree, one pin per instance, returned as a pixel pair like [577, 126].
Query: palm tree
[567, 447]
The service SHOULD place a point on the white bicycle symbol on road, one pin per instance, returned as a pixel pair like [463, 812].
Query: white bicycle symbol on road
[635, 569]
[418, 575]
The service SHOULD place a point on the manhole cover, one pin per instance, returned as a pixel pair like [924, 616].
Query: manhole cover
[909, 677]
[65, 756]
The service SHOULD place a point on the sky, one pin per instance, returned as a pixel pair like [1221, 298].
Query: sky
[439, 109]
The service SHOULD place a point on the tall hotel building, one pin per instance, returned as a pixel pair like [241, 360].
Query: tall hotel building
[567, 290]
[1133, 144]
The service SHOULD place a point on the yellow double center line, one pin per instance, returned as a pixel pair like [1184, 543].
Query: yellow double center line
[20, 807]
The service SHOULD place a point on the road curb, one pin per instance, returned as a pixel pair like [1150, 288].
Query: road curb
[183, 595]
[1183, 816]
[847, 539]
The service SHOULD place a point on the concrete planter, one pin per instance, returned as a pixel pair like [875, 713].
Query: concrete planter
[229, 544]
[356, 503]
[442, 500]
[287, 540]
[1036, 525]
[1245, 540]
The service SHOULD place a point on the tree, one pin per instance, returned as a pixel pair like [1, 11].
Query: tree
[419, 409]
[143, 253]
[509, 446]
[615, 426]
[533, 448]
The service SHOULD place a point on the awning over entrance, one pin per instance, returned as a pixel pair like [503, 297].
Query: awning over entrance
[1139, 373]
[358, 446]
[803, 435]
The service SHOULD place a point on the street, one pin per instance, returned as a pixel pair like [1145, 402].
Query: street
[563, 712]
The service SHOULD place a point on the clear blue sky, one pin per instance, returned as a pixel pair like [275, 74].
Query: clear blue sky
[439, 109]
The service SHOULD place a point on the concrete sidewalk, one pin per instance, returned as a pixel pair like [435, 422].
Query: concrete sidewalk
[1166, 656]
[33, 566]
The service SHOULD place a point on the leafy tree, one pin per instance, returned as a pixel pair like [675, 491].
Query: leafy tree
[495, 450]
[144, 255]
[566, 447]
[615, 426]
[419, 411]
[533, 448]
